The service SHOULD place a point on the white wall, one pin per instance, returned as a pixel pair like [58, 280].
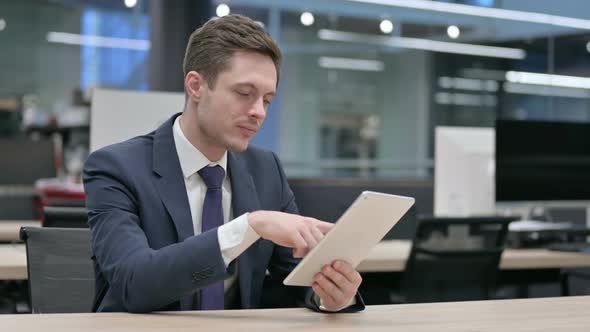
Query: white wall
[119, 115]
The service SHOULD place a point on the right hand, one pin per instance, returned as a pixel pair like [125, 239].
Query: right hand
[289, 230]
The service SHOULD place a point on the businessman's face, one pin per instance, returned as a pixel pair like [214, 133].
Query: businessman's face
[229, 114]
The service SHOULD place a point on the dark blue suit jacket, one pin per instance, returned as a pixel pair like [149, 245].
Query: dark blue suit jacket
[146, 255]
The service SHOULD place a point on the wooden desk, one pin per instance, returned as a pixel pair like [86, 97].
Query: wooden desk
[13, 262]
[391, 256]
[539, 315]
[9, 229]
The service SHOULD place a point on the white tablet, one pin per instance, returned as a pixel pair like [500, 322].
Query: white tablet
[357, 231]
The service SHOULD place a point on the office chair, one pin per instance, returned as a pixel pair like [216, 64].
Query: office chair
[453, 259]
[66, 217]
[60, 270]
[579, 275]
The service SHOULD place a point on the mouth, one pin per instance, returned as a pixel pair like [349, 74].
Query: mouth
[248, 131]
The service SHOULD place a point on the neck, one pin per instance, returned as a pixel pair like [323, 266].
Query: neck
[193, 135]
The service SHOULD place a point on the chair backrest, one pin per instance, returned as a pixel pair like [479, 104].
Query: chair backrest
[60, 269]
[65, 216]
[454, 259]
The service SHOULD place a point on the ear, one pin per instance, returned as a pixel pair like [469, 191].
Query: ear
[193, 84]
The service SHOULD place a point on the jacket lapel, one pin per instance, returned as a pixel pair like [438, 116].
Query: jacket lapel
[170, 181]
[244, 199]
[244, 196]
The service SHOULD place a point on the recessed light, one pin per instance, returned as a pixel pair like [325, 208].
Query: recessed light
[222, 10]
[386, 26]
[453, 31]
[307, 18]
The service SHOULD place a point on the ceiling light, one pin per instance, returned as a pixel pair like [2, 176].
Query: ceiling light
[2, 24]
[130, 3]
[453, 31]
[386, 26]
[424, 44]
[445, 82]
[350, 64]
[497, 13]
[554, 91]
[471, 84]
[588, 47]
[489, 74]
[465, 99]
[222, 10]
[307, 18]
[98, 41]
[548, 79]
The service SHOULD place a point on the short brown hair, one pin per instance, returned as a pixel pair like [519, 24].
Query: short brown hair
[211, 47]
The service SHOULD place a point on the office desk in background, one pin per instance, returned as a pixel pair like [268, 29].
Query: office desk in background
[522, 268]
[387, 256]
[13, 262]
[544, 314]
[391, 256]
[10, 229]
[13, 256]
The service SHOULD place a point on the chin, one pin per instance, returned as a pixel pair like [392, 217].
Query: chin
[239, 147]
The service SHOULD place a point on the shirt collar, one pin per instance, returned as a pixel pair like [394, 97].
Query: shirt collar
[191, 159]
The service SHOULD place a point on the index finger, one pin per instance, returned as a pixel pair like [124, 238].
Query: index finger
[323, 226]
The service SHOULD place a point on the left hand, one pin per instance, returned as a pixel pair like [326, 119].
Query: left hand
[336, 284]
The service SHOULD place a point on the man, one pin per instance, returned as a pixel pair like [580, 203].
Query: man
[188, 216]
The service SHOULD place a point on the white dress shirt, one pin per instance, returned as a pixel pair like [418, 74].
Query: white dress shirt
[234, 236]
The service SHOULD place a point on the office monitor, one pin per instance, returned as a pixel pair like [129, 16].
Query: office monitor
[464, 172]
[543, 162]
[327, 199]
[25, 161]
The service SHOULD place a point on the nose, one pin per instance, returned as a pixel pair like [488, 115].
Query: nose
[258, 110]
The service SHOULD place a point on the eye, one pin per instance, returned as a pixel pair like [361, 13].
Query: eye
[266, 102]
[243, 93]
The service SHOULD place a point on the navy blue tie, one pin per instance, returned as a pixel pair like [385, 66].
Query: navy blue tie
[212, 295]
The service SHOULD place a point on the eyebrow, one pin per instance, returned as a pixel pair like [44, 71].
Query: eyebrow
[250, 85]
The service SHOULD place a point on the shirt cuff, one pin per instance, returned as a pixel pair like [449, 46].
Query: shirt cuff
[320, 303]
[235, 237]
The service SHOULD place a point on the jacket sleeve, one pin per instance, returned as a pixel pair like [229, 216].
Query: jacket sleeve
[142, 278]
[282, 261]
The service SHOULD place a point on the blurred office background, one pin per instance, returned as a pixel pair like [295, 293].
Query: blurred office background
[364, 84]
[353, 103]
